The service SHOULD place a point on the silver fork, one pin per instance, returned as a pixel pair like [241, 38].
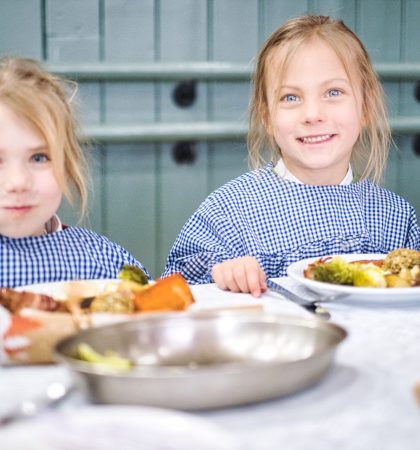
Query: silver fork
[325, 298]
[54, 393]
[312, 306]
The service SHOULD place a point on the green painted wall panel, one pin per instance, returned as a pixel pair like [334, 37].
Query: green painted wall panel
[141, 197]
[129, 32]
[182, 187]
[21, 28]
[130, 199]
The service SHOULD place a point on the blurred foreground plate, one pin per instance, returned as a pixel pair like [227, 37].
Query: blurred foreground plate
[32, 333]
[296, 272]
[116, 427]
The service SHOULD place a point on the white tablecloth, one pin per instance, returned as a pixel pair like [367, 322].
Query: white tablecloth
[366, 401]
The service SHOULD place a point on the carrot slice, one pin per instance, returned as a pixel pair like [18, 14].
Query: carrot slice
[171, 293]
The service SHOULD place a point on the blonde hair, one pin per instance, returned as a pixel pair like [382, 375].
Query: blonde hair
[371, 148]
[41, 99]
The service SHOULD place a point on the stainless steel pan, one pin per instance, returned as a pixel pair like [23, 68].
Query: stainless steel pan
[201, 360]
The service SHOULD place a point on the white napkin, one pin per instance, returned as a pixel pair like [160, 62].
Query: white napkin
[209, 296]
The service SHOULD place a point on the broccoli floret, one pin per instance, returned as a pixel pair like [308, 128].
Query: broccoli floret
[337, 271]
[369, 276]
[133, 273]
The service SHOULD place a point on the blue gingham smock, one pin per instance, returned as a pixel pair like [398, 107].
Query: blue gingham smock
[73, 253]
[281, 222]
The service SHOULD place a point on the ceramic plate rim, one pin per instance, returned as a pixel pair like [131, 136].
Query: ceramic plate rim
[295, 271]
[45, 287]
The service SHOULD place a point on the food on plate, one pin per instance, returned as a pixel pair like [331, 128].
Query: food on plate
[335, 270]
[170, 293]
[401, 258]
[112, 302]
[33, 322]
[117, 297]
[14, 301]
[399, 268]
[368, 275]
[110, 360]
[120, 296]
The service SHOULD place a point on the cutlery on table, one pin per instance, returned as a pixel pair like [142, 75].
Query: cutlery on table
[54, 393]
[312, 306]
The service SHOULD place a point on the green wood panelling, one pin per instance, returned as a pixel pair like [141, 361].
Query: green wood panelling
[21, 28]
[141, 197]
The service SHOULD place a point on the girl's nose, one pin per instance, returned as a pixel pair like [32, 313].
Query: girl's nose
[313, 111]
[16, 178]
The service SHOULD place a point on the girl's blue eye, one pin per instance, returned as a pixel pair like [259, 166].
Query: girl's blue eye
[40, 157]
[290, 98]
[334, 93]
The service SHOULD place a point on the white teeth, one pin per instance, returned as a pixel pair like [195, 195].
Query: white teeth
[311, 140]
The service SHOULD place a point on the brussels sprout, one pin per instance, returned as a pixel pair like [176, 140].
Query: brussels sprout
[133, 273]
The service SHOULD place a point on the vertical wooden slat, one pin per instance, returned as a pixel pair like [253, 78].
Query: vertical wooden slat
[409, 165]
[234, 38]
[181, 187]
[275, 13]
[341, 9]
[130, 195]
[72, 30]
[374, 18]
[72, 35]
[129, 178]
[21, 28]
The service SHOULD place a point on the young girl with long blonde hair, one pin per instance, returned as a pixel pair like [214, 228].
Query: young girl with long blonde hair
[40, 161]
[319, 108]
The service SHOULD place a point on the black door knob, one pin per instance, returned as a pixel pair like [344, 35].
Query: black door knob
[416, 144]
[417, 91]
[184, 94]
[184, 152]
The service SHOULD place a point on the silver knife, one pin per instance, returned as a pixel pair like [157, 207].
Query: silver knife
[311, 306]
[53, 394]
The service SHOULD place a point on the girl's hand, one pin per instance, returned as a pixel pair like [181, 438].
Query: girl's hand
[240, 275]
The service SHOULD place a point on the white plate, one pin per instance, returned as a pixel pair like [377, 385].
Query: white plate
[60, 289]
[295, 271]
[117, 427]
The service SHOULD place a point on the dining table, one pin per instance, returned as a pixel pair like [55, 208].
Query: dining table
[369, 399]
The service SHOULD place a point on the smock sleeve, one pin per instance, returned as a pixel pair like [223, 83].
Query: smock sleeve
[413, 235]
[209, 237]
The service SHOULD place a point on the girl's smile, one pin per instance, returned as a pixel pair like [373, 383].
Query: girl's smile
[316, 139]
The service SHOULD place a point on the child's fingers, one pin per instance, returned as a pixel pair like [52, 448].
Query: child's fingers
[263, 280]
[223, 276]
[255, 278]
[240, 275]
